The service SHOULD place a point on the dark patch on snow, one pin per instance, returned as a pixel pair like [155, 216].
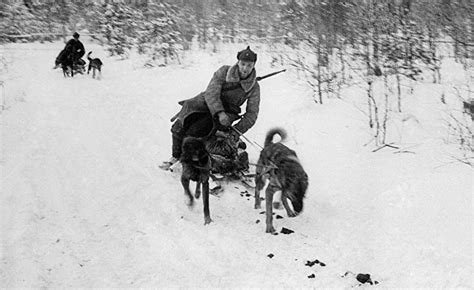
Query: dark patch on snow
[270, 255]
[311, 263]
[279, 217]
[362, 278]
[312, 276]
[263, 212]
[365, 278]
[286, 231]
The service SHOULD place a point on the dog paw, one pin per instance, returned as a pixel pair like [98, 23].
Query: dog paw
[197, 194]
[257, 206]
[270, 229]
[207, 220]
[291, 214]
[189, 201]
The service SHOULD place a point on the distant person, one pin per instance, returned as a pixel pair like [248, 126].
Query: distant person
[219, 106]
[75, 49]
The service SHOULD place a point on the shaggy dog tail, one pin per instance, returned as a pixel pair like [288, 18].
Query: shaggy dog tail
[275, 131]
[89, 56]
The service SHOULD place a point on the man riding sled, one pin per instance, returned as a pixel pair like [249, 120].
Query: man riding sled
[213, 112]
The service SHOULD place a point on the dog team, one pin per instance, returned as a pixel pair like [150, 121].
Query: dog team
[277, 164]
[218, 109]
[71, 62]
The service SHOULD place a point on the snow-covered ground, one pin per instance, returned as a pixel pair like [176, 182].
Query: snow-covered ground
[83, 203]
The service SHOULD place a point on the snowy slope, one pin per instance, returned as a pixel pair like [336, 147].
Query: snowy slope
[84, 205]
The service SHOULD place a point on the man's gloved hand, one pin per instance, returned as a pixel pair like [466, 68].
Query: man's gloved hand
[224, 119]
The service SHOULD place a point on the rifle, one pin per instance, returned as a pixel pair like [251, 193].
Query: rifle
[237, 85]
[269, 75]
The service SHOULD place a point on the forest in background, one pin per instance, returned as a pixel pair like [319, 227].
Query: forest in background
[389, 28]
[390, 42]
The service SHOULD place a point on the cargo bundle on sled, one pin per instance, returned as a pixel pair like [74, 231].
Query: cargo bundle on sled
[229, 158]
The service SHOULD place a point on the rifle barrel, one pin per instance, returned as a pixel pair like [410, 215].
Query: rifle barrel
[270, 74]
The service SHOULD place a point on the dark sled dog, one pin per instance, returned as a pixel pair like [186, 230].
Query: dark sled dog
[95, 64]
[68, 65]
[281, 166]
[65, 62]
[196, 163]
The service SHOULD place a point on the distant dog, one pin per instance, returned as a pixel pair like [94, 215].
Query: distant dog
[196, 163]
[95, 64]
[281, 166]
[64, 61]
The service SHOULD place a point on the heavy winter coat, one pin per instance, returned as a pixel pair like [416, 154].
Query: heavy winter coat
[226, 92]
[75, 49]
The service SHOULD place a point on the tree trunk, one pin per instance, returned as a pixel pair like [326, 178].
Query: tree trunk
[343, 65]
[374, 113]
[385, 117]
[369, 102]
[399, 89]
[320, 93]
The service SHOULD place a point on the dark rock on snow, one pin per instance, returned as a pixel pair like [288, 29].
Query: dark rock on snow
[364, 278]
[286, 231]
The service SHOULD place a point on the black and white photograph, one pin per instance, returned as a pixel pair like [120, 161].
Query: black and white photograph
[236, 144]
